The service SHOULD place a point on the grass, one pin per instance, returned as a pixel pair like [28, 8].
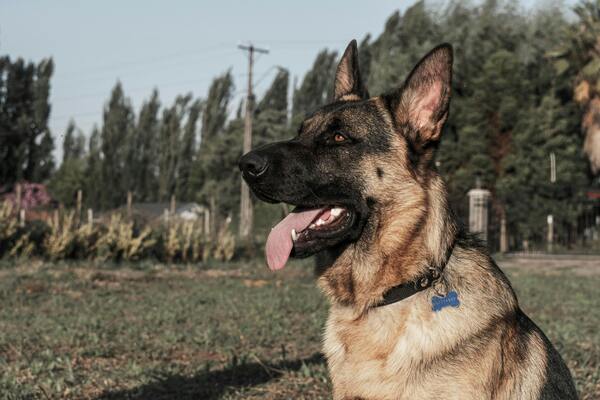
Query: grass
[231, 331]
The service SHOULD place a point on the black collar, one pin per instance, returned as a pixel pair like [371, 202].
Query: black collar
[405, 290]
[425, 281]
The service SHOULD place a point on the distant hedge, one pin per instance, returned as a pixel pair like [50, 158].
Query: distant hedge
[62, 238]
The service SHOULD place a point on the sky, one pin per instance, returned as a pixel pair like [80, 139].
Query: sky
[175, 46]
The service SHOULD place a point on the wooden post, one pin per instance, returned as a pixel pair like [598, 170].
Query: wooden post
[213, 216]
[246, 210]
[90, 217]
[22, 217]
[503, 235]
[173, 204]
[19, 196]
[166, 216]
[129, 203]
[79, 202]
[206, 222]
[478, 211]
[550, 237]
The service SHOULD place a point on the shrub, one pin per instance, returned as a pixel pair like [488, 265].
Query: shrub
[62, 237]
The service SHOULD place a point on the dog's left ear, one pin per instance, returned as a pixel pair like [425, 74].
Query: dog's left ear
[348, 82]
[423, 101]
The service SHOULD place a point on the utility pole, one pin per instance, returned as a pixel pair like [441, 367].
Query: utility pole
[246, 211]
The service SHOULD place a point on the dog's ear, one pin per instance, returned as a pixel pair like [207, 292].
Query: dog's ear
[348, 82]
[422, 102]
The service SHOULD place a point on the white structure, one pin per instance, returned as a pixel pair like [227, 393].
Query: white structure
[478, 212]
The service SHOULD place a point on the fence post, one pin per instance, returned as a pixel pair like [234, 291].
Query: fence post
[79, 202]
[173, 204]
[503, 235]
[206, 222]
[550, 237]
[478, 211]
[90, 217]
[129, 204]
[19, 195]
[22, 217]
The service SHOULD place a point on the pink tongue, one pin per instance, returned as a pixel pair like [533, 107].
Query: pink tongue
[279, 243]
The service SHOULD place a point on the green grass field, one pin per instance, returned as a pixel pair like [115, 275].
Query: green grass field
[85, 331]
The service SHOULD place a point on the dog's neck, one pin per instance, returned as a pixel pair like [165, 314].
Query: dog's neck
[400, 243]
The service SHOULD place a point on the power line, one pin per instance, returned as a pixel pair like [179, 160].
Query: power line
[150, 60]
[95, 94]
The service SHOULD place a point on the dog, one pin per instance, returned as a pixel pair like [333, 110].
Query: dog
[419, 310]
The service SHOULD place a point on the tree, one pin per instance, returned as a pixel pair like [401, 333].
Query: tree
[216, 106]
[553, 129]
[218, 161]
[41, 161]
[117, 125]
[316, 88]
[188, 151]
[214, 117]
[579, 56]
[170, 138]
[144, 150]
[70, 177]
[73, 146]
[46, 165]
[271, 114]
[24, 111]
[93, 171]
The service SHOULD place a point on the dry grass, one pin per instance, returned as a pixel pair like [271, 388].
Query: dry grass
[220, 331]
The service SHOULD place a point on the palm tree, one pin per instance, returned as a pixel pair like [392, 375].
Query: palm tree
[579, 56]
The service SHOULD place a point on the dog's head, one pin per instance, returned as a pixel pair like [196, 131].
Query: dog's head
[352, 158]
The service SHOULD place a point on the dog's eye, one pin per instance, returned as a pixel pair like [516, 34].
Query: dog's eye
[339, 138]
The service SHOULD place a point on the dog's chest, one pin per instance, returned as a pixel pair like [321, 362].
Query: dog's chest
[385, 355]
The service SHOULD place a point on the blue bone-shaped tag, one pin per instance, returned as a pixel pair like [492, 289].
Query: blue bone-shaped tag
[450, 300]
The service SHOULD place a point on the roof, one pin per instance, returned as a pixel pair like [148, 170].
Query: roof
[33, 195]
[155, 210]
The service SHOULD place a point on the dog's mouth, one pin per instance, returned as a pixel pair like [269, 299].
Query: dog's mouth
[305, 231]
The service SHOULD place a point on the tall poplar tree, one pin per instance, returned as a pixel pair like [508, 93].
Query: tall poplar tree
[118, 122]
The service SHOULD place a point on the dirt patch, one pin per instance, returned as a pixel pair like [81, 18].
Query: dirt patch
[581, 266]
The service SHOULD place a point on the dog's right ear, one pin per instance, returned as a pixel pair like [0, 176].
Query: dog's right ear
[420, 107]
[348, 82]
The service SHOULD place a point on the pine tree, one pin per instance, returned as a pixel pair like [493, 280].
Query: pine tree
[24, 111]
[69, 141]
[216, 106]
[45, 165]
[214, 117]
[271, 114]
[188, 151]
[170, 139]
[16, 120]
[145, 155]
[41, 162]
[578, 57]
[117, 125]
[316, 88]
[70, 177]
[93, 171]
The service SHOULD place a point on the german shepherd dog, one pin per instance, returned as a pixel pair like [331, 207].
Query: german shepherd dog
[418, 310]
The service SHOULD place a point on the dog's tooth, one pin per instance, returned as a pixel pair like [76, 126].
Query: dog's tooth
[320, 222]
[312, 226]
[294, 235]
[336, 211]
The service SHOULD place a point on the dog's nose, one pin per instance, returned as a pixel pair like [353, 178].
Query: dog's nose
[253, 164]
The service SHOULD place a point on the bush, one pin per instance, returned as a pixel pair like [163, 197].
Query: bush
[63, 237]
